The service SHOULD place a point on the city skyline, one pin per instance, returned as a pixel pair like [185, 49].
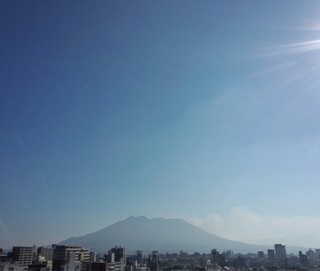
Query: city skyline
[206, 112]
[74, 258]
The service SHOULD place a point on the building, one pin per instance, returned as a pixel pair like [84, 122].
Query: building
[72, 264]
[22, 255]
[117, 259]
[46, 252]
[139, 257]
[239, 263]
[271, 255]
[119, 254]
[99, 266]
[7, 266]
[281, 253]
[6, 258]
[260, 254]
[93, 257]
[61, 255]
[317, 252]
[38, 267]
[137, 267]
[218, 258]
[153, 261]
[303, 259]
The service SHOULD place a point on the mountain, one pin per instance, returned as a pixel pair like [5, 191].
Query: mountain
[164, 235]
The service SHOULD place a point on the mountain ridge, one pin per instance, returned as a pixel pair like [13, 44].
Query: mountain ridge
[162, 234]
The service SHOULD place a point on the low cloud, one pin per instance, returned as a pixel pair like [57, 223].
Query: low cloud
[242, 224]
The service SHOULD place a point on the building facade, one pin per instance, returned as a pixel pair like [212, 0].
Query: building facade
[61, 255]
[22, 255]
[281, 253]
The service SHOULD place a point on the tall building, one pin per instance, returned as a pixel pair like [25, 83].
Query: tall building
[72, 264]
[117, 259]
[46, 253]
[61, 255]
[119, 254]
[139, 256]
[93, 256]
[271, 255]
[153, 261]
[281, 253]
[22, 255]
[303, 259]
[260, 254]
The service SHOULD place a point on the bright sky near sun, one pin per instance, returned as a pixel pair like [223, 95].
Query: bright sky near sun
[202, 110]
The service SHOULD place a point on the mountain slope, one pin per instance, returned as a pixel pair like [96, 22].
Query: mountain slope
[165, 235]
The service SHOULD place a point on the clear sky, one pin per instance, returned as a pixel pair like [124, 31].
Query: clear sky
[201, 110]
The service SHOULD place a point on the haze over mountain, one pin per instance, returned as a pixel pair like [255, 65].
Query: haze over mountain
[164, 235]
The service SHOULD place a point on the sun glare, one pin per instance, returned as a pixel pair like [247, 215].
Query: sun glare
[296, 62]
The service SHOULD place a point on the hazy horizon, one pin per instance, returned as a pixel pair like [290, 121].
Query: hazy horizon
[205, 111]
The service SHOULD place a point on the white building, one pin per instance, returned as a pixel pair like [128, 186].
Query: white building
[72, 264]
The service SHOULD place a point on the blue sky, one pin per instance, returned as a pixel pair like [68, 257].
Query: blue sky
[206, 111]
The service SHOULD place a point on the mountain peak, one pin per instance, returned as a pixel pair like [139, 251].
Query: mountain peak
[136, 218]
